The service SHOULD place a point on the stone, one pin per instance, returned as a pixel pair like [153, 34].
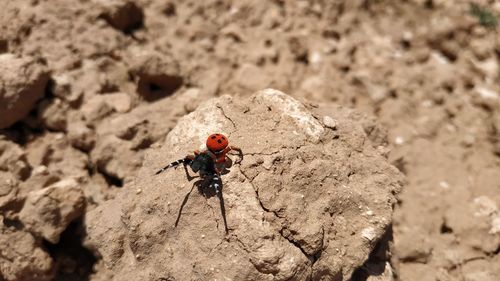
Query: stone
[47, 212]
[300, 218]
[22, 257]
[22, 84]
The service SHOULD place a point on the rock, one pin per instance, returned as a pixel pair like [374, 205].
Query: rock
[487, 97]
[53, 114]
[120, 102]
[124, 136]
[157, 74]
[8, 189]
[488, 68]
[150, 122]
[22, 83]
[63, 88]
[22, 257]
[13, 159]
[100, 106]
[300, 218]
[55, 152]
[115, 157]
[472, 223]
[124, 15]
[386, 275]
[252, 78]
[49, 211]
[478, 270]
[81, 136]
[41, 177]
[96, 191]
[95, 109]
[413, 246]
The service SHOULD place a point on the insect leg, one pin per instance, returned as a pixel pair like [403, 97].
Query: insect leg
[185, 161]
[216, 182]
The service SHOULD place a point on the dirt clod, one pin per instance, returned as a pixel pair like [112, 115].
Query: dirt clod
[22, 257]
[22, 83]
[49, 211]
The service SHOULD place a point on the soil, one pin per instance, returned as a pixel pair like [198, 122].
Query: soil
[90, 90]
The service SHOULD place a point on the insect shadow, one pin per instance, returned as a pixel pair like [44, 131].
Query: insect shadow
[205, 185]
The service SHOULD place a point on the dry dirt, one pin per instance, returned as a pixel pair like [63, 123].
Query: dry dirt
[91, 90]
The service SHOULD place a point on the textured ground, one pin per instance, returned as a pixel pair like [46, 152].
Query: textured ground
[122, 74]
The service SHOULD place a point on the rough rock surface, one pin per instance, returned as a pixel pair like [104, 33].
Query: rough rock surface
[306, 201]
[26, 261]
[158, 75]
[8, 189]
[13, 159]
[49, 211]
[22, 83]
[123, 138]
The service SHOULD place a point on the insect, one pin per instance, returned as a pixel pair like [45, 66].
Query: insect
[210, 164]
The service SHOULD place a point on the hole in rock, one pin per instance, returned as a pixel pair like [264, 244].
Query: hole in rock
[156, 87]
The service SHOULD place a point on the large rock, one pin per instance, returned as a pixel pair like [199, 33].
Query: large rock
[22, 83]
[307, 202]
[49, 211]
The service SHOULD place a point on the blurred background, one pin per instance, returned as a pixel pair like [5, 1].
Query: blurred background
[87, 86]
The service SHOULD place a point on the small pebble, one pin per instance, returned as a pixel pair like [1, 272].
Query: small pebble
[329, 122]
[399, 140]
[138, 191]
[427, 103]
[42, 169]
[444, 184]
[315, 57]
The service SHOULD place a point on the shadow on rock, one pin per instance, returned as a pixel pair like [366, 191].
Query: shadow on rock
[206, 187]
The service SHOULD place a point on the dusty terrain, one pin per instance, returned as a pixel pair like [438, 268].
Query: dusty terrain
[90, 93]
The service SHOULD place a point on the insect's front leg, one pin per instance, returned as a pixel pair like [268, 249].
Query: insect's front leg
[186, 160]
[240, 153]
[189, 160]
